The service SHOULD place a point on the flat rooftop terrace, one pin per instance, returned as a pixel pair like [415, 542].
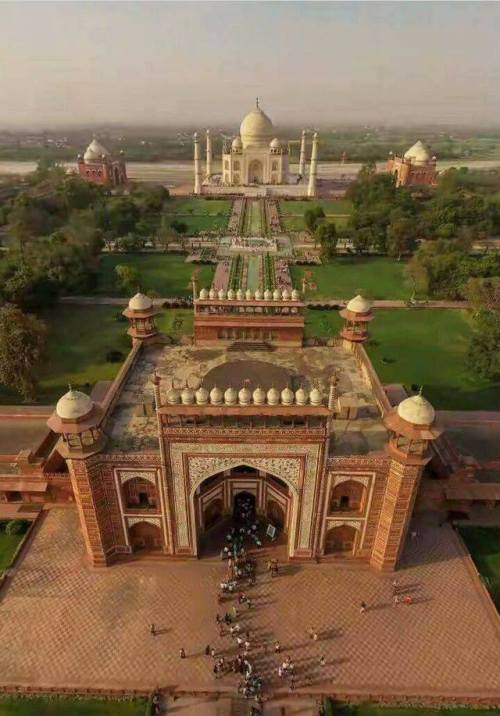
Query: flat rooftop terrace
[132, 426]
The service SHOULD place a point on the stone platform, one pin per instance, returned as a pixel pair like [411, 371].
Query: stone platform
[63, 623]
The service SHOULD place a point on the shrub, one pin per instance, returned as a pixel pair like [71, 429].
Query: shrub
[3, 525]
[16, 527]
[114, 356]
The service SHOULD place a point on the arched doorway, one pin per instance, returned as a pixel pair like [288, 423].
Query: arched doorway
[139, 494]
[341, 540]
[244, 506]
[348, 496]
[145, 537]
[255, 172]
[213, 513]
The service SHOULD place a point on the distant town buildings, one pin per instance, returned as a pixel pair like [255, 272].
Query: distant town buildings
[415, 168]
[98, 167]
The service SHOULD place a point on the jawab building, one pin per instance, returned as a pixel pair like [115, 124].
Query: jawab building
[158, 459]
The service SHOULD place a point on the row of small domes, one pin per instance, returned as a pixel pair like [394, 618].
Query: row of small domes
[241, 295]
[188, 396]
[238, 144]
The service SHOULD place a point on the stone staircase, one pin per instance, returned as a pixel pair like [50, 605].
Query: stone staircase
[249, 346]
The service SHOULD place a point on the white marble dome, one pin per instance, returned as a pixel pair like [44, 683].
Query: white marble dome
[212, 294]
[74, 405]
[244, 396]
[140, 302]
[285, 295]
[287, 396]
[221, 294]
[301, 396]
[418, 153]
[216, 396]
[173, 396]
[358, 304]
[259, 396]
[256, 129]
[237, 143]
[203, 294]
[416, 410]
[95, 152]
[187, 396]
[267, 295]
[248, 295]
[276, 294]
[240, 295]
[295, 295]
[231, 294]
[258, 295]
[275, 143]
[230, 396]
[273, 396]
[315, 397]
[201, 395]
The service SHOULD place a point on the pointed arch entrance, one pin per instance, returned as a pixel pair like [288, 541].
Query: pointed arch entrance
[255, 172]
[220, 500]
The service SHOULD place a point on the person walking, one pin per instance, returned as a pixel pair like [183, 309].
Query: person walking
[395, 587]
[182, 653]
[213, 653]
[277, 647]
[362, 608]
[207, 650]
[152, 630]
[322, 661]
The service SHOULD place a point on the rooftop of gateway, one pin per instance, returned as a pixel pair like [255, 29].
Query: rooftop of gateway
[132, 425]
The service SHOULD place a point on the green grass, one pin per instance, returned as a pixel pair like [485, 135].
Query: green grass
[422, 347]
[167, 274]
[428, 347]
[373, 710]
[60, 706]
[79, 337]
[483, 544]
[199, 214]
[377, 277]
[8, 545]
[296, 223]
[342, 206]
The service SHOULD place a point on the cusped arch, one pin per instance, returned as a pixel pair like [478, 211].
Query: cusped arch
[265, 464]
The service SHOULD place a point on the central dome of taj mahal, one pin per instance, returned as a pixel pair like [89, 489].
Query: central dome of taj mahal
[256, 129]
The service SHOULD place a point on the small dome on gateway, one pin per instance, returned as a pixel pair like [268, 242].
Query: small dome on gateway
[258, 295]
[240, 295]
[248, 295]
[203, 294]
[259, 396]
[285, 295]
[276, 294]
[268, 295]
[95, 151]
[140, 302]
[230, 396]
[273, 396]
[287, 396]
[221, 295]
[244, 396]
[418, 153]
[187, 396]
[74, 405]
[358, 304]
[301, 396]
[416, 410]
[216, 396]
[315, 397]
[201, 395]
[231, 294]
[295, 295]
[173, 396]
[212, 294]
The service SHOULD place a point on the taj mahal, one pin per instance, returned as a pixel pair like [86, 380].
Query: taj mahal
[255, 157]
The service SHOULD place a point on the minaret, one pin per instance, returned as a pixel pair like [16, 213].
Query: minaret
[209, 154]
[197, 165]
[313, 169]
[302, 160]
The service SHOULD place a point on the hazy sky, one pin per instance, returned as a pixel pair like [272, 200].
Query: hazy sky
[203, 62]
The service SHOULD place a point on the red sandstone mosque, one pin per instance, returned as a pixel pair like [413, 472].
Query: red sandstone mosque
[98, 167]
[415, 168]
[158, 459]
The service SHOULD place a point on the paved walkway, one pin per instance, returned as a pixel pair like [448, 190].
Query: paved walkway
[62, 623]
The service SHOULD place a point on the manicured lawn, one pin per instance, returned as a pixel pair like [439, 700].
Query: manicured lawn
[199, 214]
[296, 223]
[373, 710]
[428, 347]
[342, 206]
[167, 274]
[8, 545]
[70, 707]
[422, 347]
[483, 544]
[176, 322]
[376, 277]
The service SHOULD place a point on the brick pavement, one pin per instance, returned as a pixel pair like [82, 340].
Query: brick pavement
[66, 624]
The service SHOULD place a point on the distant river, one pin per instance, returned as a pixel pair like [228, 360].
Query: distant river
[174, 173]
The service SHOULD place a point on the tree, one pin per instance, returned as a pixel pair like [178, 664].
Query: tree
[127, 277]
[313, 216]
[401, 237]
[22, 346]
[483, 358]
[326, 234]
[483, 294]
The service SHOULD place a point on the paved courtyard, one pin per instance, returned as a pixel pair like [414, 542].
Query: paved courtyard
[63, 623]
